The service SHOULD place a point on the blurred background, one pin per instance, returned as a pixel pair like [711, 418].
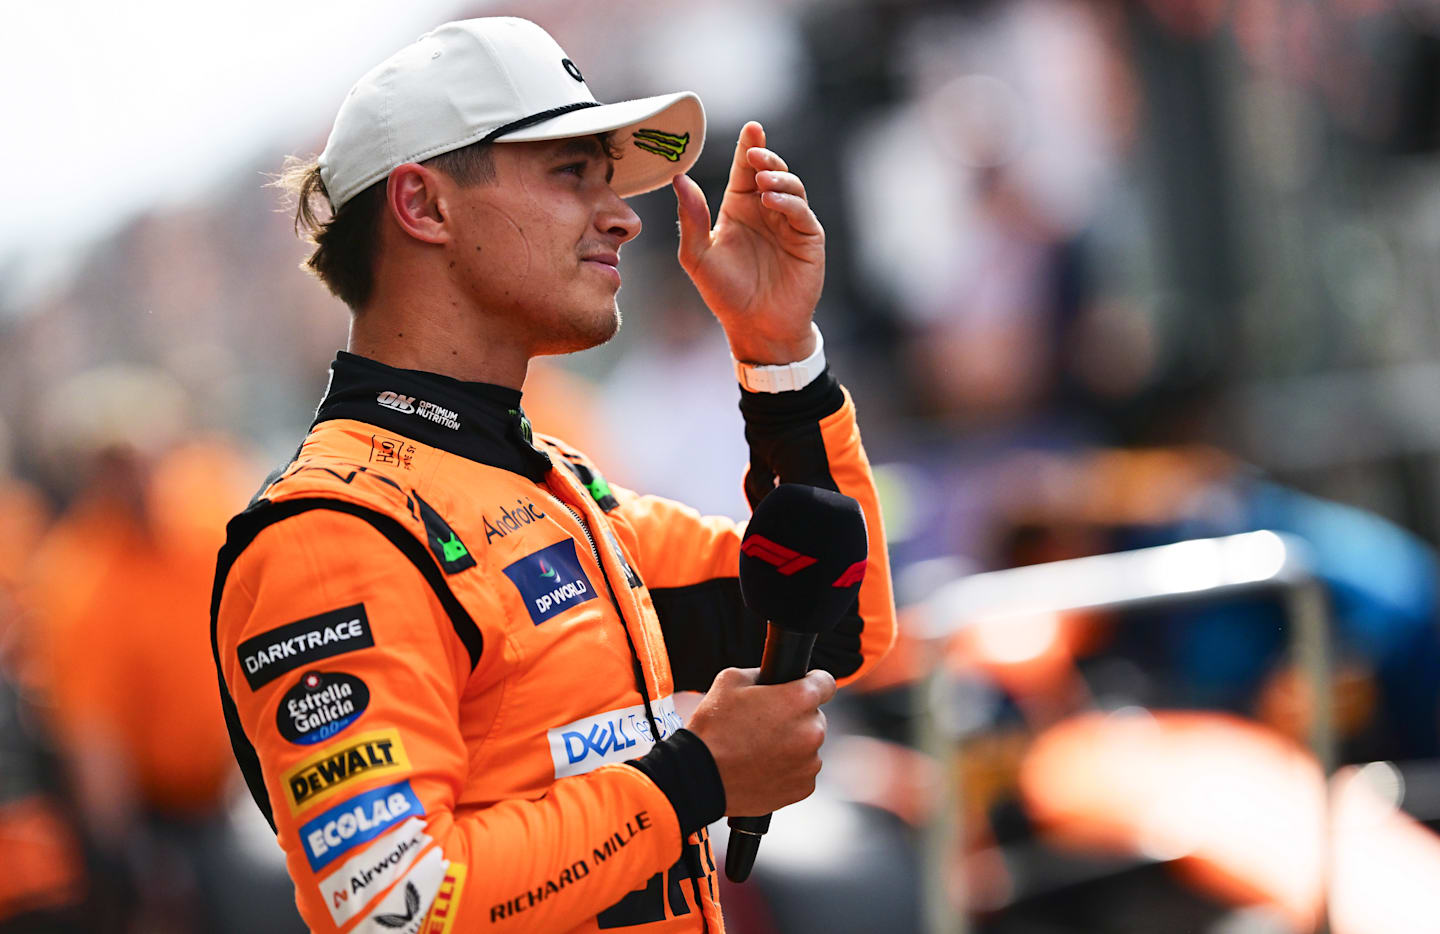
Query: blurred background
[1103, 276]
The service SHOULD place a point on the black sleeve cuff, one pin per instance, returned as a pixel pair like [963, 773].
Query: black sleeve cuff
[769, 412]
[682, 767]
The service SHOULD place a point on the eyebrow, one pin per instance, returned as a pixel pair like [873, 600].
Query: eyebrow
[589, 147]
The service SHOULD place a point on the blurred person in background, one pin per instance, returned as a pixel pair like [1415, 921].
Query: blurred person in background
[118, 588]
[45, 884]
[432, 702]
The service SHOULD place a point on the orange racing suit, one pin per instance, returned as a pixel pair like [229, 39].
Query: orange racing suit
[448, 651]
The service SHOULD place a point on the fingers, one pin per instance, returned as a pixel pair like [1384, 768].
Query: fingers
[809, 692]
[734, 678]
[794, 209]
[779, 181]
[761, 158]
[694, 216]
[742, 173]
[822, 683]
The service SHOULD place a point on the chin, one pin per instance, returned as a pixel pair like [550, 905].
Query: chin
[583, 331]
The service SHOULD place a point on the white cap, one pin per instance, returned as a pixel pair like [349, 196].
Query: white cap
[497, 79]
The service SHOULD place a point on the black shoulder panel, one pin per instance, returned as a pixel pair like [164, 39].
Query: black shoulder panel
[243, 530]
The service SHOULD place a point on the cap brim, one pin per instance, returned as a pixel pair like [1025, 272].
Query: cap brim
[658, 137]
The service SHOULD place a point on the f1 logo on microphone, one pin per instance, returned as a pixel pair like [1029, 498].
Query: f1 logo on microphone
[786, 560]
[854, 574]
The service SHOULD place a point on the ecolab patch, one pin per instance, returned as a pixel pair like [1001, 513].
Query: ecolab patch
[348, 890]
[613, 736]
[320, 705]
[285, 648]
[359, 820]
[441, 919]
[327, 772]
[551, 581]
[403, 910]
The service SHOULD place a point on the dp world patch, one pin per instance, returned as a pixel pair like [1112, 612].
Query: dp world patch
[551, 581]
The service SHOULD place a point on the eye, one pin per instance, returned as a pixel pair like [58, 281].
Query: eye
[573, 168]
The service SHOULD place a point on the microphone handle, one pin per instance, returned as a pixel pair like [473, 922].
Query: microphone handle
[786, 658]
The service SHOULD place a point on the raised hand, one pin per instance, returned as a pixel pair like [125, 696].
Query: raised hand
[761, 269]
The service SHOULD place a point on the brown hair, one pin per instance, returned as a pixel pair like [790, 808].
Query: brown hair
[345, 240]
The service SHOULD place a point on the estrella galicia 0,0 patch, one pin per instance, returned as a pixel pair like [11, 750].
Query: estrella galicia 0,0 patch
[320, 705]
[304, 642]
[551, 581]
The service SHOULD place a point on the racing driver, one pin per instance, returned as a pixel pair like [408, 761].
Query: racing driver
[448, 648]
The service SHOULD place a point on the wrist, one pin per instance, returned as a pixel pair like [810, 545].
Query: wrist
[760, 350]
[795, 372]
[682, 767]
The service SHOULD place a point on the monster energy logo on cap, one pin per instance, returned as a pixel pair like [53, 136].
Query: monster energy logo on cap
[669, 145]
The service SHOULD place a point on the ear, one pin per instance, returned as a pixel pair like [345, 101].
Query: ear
[412, 195]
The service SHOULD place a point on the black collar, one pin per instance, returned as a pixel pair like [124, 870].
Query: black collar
[479, 421]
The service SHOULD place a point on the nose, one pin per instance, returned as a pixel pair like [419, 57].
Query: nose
[614, 218]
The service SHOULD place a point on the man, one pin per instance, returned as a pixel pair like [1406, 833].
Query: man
[448, 648]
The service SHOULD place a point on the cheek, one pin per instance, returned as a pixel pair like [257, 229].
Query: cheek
[501, 248]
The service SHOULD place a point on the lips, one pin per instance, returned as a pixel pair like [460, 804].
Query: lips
[605, 262]
[605, 259]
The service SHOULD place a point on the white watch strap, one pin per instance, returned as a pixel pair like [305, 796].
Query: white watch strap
[784, 377]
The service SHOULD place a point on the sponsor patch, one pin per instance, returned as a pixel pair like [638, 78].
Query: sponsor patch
[403, 910]
[348, 889]
[330, 835]
[596, 484]
[394, 452]
[613, 736]
[669, 145]
[511, 519]
[303, 642]
[409, 405]
[551, 581]
[320, 705]
[441, 919]
[324, 774]
[618, 839]
[452, 554]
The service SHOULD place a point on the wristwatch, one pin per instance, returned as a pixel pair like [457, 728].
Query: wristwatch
[784, 377]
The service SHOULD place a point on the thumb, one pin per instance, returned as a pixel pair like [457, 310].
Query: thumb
[694, 220]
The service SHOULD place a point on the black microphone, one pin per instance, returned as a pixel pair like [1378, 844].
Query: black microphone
[801, 563]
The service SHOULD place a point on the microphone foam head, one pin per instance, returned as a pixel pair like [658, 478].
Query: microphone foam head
[803, 557]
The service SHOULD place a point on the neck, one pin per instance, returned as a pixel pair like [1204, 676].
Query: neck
[438, 333]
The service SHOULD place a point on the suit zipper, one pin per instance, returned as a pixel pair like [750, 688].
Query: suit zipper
[644, 692]
[615, 602]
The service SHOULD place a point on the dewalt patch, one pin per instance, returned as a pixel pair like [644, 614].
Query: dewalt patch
[333, 768]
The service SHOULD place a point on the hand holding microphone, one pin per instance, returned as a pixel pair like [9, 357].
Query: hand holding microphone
[802, 560]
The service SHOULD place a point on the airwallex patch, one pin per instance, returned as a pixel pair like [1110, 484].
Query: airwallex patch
[320, 705]
[551, 581]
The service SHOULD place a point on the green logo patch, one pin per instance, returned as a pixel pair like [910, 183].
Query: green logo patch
[669, 145]
[454, 549]
[452, 554]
